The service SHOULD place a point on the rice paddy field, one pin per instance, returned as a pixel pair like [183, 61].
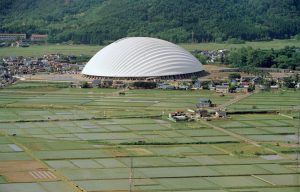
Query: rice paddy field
[61, 139]
[284, 100]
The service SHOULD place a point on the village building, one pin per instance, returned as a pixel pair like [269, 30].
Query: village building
[241, 90]
[165, 86]
[197, 85]
[274, 86]
[38, 37]
[106, 83]
[96, 83]
[178, 116]
[221, 114]
[222, 89]
[202, 113]
[204, 102]
[12, 36]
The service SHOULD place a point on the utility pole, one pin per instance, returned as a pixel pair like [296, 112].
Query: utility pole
[298, 144]
[131, 175]
[192, 36]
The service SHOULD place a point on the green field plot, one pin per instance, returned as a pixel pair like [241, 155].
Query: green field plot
[216, 139]
[89, 174]
[69, 154]
[262, 128]
[177, 172]
[280, 130]
[232, 124]
[226, 159]
[274, 168]
[108, 136]
[110, 163]
[4, 140]
[10, 156]
[285, 100]
[186, 183]
[275, 44]
[39, 50]
[149, 161]
[56, 186]
[61, 164]
[280, 138]
[239, 170]
[251, 131]
[22, 187]
[2, 180]
[93, 136]
[207, 160]
[86, 163]
[104, 185]
[36, 187]
[10, 148]
[238, 181]
[201, 132]
[266, 189]
[43, 144]
[146, 127]
[293, 179]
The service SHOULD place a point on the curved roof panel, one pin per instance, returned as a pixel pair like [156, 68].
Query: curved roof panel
[141, 57]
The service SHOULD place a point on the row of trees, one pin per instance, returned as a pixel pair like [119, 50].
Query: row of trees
[96, 21]
[248, 58]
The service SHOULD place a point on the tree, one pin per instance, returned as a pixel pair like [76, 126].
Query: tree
[96, 21]
[282, 61]
[144, 84]
[18, 38]
[202, 58]
[85, 84]
[194, 79]
[289, 82]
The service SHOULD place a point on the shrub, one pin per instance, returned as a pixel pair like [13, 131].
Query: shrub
[144, 85]
[85, 85]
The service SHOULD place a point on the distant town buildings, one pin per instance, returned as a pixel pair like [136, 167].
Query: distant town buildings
[22, 37]
[12, 36]
[13, 67]
[222, 88]
[204, 102]
[38, 37]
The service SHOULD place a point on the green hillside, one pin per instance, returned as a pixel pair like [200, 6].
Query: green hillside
[98, 21]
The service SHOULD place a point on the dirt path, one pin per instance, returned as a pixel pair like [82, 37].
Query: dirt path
[232, 101]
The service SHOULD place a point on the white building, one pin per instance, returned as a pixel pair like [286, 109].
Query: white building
[142, 58]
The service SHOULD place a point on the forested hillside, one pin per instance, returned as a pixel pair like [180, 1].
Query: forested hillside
[97, 21]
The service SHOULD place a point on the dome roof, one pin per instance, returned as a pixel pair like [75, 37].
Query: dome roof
[141, 57]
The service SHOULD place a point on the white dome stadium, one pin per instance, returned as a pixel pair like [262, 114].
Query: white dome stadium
[140, 58]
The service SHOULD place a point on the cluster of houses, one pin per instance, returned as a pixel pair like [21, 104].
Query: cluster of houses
[213, 56]
[5, 77]
[12, 67]
[224, 87]
[100, 83]
[20, 39]
[205, 109]
[48, 63]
